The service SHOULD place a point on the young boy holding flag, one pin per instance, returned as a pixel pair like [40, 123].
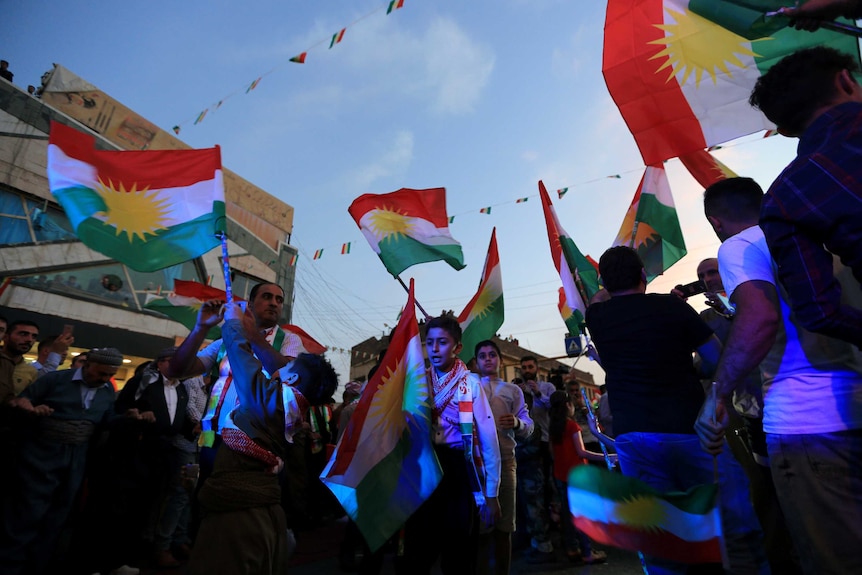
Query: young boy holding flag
[471, 478]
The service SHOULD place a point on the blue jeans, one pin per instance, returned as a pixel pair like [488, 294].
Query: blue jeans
[676, 462]
[172, 527]
[574, 539]
[818, 480]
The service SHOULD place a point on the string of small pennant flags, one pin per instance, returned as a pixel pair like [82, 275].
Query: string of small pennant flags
[345, 247]
[561, 193]
[300, 58]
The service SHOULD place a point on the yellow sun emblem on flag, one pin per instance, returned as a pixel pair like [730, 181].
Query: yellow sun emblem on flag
[386, 407]
[694, 44]
[386, 223]
[133, 212]
[642, 512]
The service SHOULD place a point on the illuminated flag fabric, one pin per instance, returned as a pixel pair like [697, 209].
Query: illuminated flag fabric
[580, 279]
[562, 192]
[345, 248]
[184, 303]
[681, 72]
[394, 5]
[485, 210]
[624, 512]
[252, 86]
[299, 59]
[147, 209]
[309, 344]
[651, 225]
[318, 254]
[201, 116]
[705, 168]
[483, 315]
[521, 200]
[384, 467]
[407, 227]
[337, 37]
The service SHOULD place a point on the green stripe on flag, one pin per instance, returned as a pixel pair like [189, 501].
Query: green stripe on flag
[400, 252]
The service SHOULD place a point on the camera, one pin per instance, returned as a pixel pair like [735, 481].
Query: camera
[692, 289]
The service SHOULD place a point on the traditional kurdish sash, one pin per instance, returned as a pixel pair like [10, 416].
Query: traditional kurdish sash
[238, 441]
[454, 384]
[209, 423]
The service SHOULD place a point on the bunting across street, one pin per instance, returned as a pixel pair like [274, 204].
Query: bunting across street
[147, 209]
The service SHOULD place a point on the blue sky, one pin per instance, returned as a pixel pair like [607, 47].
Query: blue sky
[483, 98]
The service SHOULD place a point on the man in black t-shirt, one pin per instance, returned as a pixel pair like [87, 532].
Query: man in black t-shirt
[645, 344]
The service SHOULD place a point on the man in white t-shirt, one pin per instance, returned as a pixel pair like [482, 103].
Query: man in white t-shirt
[812, 388]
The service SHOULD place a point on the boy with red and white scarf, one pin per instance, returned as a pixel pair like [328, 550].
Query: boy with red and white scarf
[465, 441]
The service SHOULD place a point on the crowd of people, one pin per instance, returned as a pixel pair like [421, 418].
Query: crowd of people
[212, 455]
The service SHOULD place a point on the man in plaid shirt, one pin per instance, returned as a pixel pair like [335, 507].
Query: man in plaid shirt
[814, 208]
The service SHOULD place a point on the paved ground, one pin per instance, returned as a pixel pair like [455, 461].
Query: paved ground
[317, 549]
[316, 554]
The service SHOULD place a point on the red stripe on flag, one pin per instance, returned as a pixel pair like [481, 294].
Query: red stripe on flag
[429, 204]
[652, 542]
[148, 168]
[199, 291]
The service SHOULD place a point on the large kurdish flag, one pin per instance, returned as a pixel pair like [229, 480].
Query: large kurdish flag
[147, 209]
[407, 227]
[579, 277]
[384, 467]
[624, 512]
[483, 315]
[681, 72]
[651, 225]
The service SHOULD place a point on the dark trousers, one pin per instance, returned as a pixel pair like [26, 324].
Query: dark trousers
[445, 526]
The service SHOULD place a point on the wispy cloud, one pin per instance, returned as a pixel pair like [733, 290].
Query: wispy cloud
[394, 160]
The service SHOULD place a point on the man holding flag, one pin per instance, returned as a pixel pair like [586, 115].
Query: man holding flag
[245, 529]
[273, 346]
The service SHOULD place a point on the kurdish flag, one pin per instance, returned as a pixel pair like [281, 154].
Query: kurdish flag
[483, 316]
[651, 225]
[184, 303]
[624, 512]
[384, 466]
[407, 227]
[308, 343]
[706, 168]
[681, 72]
[147, 209]
[579, 277]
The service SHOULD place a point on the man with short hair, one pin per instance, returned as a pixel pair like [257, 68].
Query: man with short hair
[277, 347]
[273, 346]
[811, 388]
[645, 342]
[66, 408]
[814, 208]
[533, 454]
[245, 529]
[20, 337]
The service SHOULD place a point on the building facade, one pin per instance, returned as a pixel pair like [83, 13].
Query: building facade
[48, 276]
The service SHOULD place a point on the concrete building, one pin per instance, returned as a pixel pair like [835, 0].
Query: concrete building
[48, 276]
